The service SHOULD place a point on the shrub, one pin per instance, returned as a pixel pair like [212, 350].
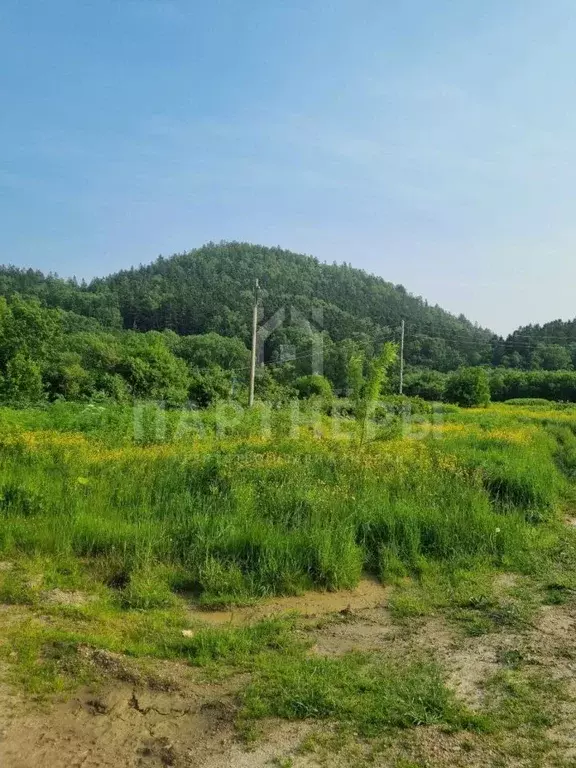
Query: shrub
[23, 381]
[401, 405]
[469, 388]
[429, 385]
[208, 386]
[314, 385]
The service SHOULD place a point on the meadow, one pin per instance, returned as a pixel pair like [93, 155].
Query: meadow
[149, 514]
[229, 517]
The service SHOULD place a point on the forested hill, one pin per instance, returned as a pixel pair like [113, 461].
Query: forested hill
[210, 290]
[551, 346]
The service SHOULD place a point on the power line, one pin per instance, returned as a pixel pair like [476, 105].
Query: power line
[519, 339]
[477, 343]
[460, 338]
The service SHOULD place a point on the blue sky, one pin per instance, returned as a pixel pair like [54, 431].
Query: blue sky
[432, 143]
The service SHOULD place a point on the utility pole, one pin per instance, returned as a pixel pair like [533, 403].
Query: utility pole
[254, 343]
[402, 356]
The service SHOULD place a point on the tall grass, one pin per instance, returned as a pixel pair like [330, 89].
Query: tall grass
[227, 517]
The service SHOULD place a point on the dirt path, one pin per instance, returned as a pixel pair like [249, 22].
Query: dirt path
[368, 594]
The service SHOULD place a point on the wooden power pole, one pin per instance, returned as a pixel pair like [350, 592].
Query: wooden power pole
[402, 357]
[254, 343]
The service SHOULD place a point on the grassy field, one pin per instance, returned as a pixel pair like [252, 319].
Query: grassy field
[116, 526]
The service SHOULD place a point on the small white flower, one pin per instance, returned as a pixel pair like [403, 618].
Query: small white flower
[497, 530]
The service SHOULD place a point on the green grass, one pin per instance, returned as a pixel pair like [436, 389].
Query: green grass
[46, 657]
[43, 662]
[517, 699]
[232, 517]
[135, 530]
[469, 599]
[365, 692]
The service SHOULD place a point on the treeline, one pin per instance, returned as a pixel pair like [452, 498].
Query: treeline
[549, 347]
[504, 385]
[50, 353]
[179, 330]
[210, 290]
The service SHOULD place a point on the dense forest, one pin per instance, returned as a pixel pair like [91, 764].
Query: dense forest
[210, 290]
[179, 329]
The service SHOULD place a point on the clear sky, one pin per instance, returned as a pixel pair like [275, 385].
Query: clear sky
[433, 143]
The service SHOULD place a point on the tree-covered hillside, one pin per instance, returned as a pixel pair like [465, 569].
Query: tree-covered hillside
[548, 347]
[210, 289]
[179, 329]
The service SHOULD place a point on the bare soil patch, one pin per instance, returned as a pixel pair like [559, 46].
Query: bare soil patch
[175, 717]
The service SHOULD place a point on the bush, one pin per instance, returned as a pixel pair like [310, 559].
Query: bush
[401, 405]
[469, 388]
[314, 386]
[23, 381]
[429, 385]
[271, 390]
[209, 386]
